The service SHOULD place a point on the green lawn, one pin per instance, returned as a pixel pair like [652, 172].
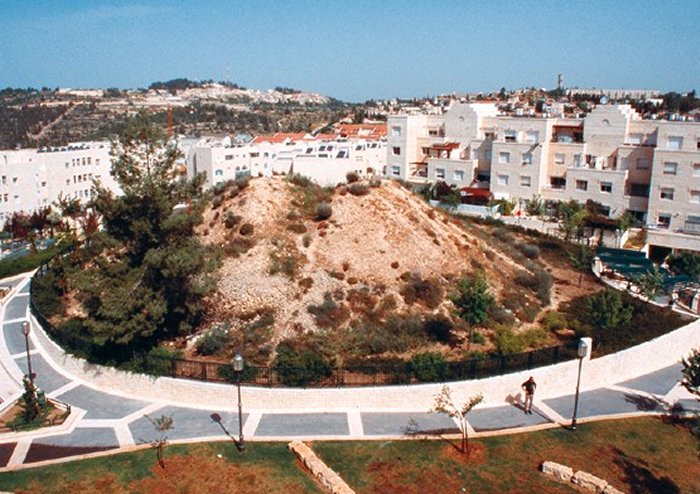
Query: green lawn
[636, 456]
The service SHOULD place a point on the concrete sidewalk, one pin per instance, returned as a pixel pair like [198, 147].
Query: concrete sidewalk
[104, 419]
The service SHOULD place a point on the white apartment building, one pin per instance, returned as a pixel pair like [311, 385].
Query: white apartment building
[32, 179]
[326, 159]
[612, 156]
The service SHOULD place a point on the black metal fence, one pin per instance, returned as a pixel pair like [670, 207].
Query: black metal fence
[319, 375]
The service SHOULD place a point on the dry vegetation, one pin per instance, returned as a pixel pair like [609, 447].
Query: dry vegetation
[383, 259]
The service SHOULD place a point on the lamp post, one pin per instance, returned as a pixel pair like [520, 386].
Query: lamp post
[25, 331]
[238, 365]
[581, 353]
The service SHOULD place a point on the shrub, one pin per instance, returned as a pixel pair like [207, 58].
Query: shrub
[503, 235]
[306, 240]
[213, 341]
[293, 216]
[544, 286]
[352, 177]
[427, 292]
[217, 201]
[242, 182]
[502, 315]
[300, 180]
[299, 367]
[396, 334]
[233, 193]
[525, 279]
[231, 220]
[439, 329]
[553, 320]
[358, 189]
[247, 229]
[238, 246]
[297, 228]
[323, 211]
[329, 314]
[506, 340]
[375, 182]
[530, 251]
[429, 367]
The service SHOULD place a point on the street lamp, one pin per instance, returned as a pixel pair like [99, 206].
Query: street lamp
[25, 331]
[581, 353]
[238, 365]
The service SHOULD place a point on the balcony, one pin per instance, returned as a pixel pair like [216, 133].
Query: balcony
[691, 228]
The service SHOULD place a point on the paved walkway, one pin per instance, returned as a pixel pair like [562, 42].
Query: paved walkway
[107, 421]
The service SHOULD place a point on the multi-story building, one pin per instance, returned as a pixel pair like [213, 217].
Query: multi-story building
[325, 158]
[612, 156]
[32, 179]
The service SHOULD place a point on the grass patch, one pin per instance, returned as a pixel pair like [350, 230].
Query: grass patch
[625, 453]
[265, 467]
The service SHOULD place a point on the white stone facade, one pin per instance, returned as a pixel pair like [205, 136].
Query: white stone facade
[612, 156]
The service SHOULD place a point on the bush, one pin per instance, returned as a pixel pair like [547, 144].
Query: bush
[358, 189]
[530, 251]
[297, 228]
[231, 220]
[544, 286]
[506, 340]
[247, 229]
[375, 182]
[301, 181]
[217, 202]
[503, 235]
[329, 314]
[553, 320]
[429, 367]
[238, 246]
[306, 240]
[323, 211]
[213, 342]
[396, 334]
[427, 292]
[502, 315]
[299, 367]
[439, 329]
[352, 177]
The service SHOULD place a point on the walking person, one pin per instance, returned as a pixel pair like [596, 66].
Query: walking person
[529, 388]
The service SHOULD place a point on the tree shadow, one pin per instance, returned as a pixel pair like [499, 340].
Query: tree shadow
[412, 429]
[645, 403]
[641, 480]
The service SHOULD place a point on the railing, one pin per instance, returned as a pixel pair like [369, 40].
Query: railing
[320, 375]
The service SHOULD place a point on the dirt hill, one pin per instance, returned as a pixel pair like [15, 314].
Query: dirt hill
[382, 253]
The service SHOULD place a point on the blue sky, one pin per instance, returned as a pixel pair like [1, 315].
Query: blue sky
[353, 50]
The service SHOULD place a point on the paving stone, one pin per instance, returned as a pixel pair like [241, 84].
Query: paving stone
[14, 339]
[25, 288]
[602, 402]
[187, 423]
[690, 404]
[660, 382]
[303, 424]
[16, 308]
[83, 437]
[508, 416]
[101, 405]
[396, 424]
[46, 377]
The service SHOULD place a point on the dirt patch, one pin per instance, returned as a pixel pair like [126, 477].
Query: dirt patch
[40, 452]
[392, 476]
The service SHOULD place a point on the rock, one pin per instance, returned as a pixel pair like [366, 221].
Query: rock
[330, 480]
[589, 482]
[611, 490]
[559, 472]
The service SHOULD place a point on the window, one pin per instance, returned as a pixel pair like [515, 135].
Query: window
[525, 181]
[89, 160]
[667, 193]
[606, 187]
[670, 168]
[396, 170]
[396, 131]
[219, 173]
[527, 158]
[43, 184]
[425, 150]
[489, 136]
[504, 158]
[636, 139]
[4, 179]
[458, 175]
[396, 150]
[440, 173]
[663, 220]
[696, 170]
[642, 164]
[532, 137]
[557, 182]
[639, 190]
[559, 159]
[674, 143]
[68, 181]
[511, 136]
[67, 164]
[228, 157]
[503, 180]
[695, 196]
[14, 180]
[605, 211]
[97, 162]
[582, 185]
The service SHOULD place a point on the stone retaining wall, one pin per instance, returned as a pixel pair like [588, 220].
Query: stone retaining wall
[330, 480]
[584, 480]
